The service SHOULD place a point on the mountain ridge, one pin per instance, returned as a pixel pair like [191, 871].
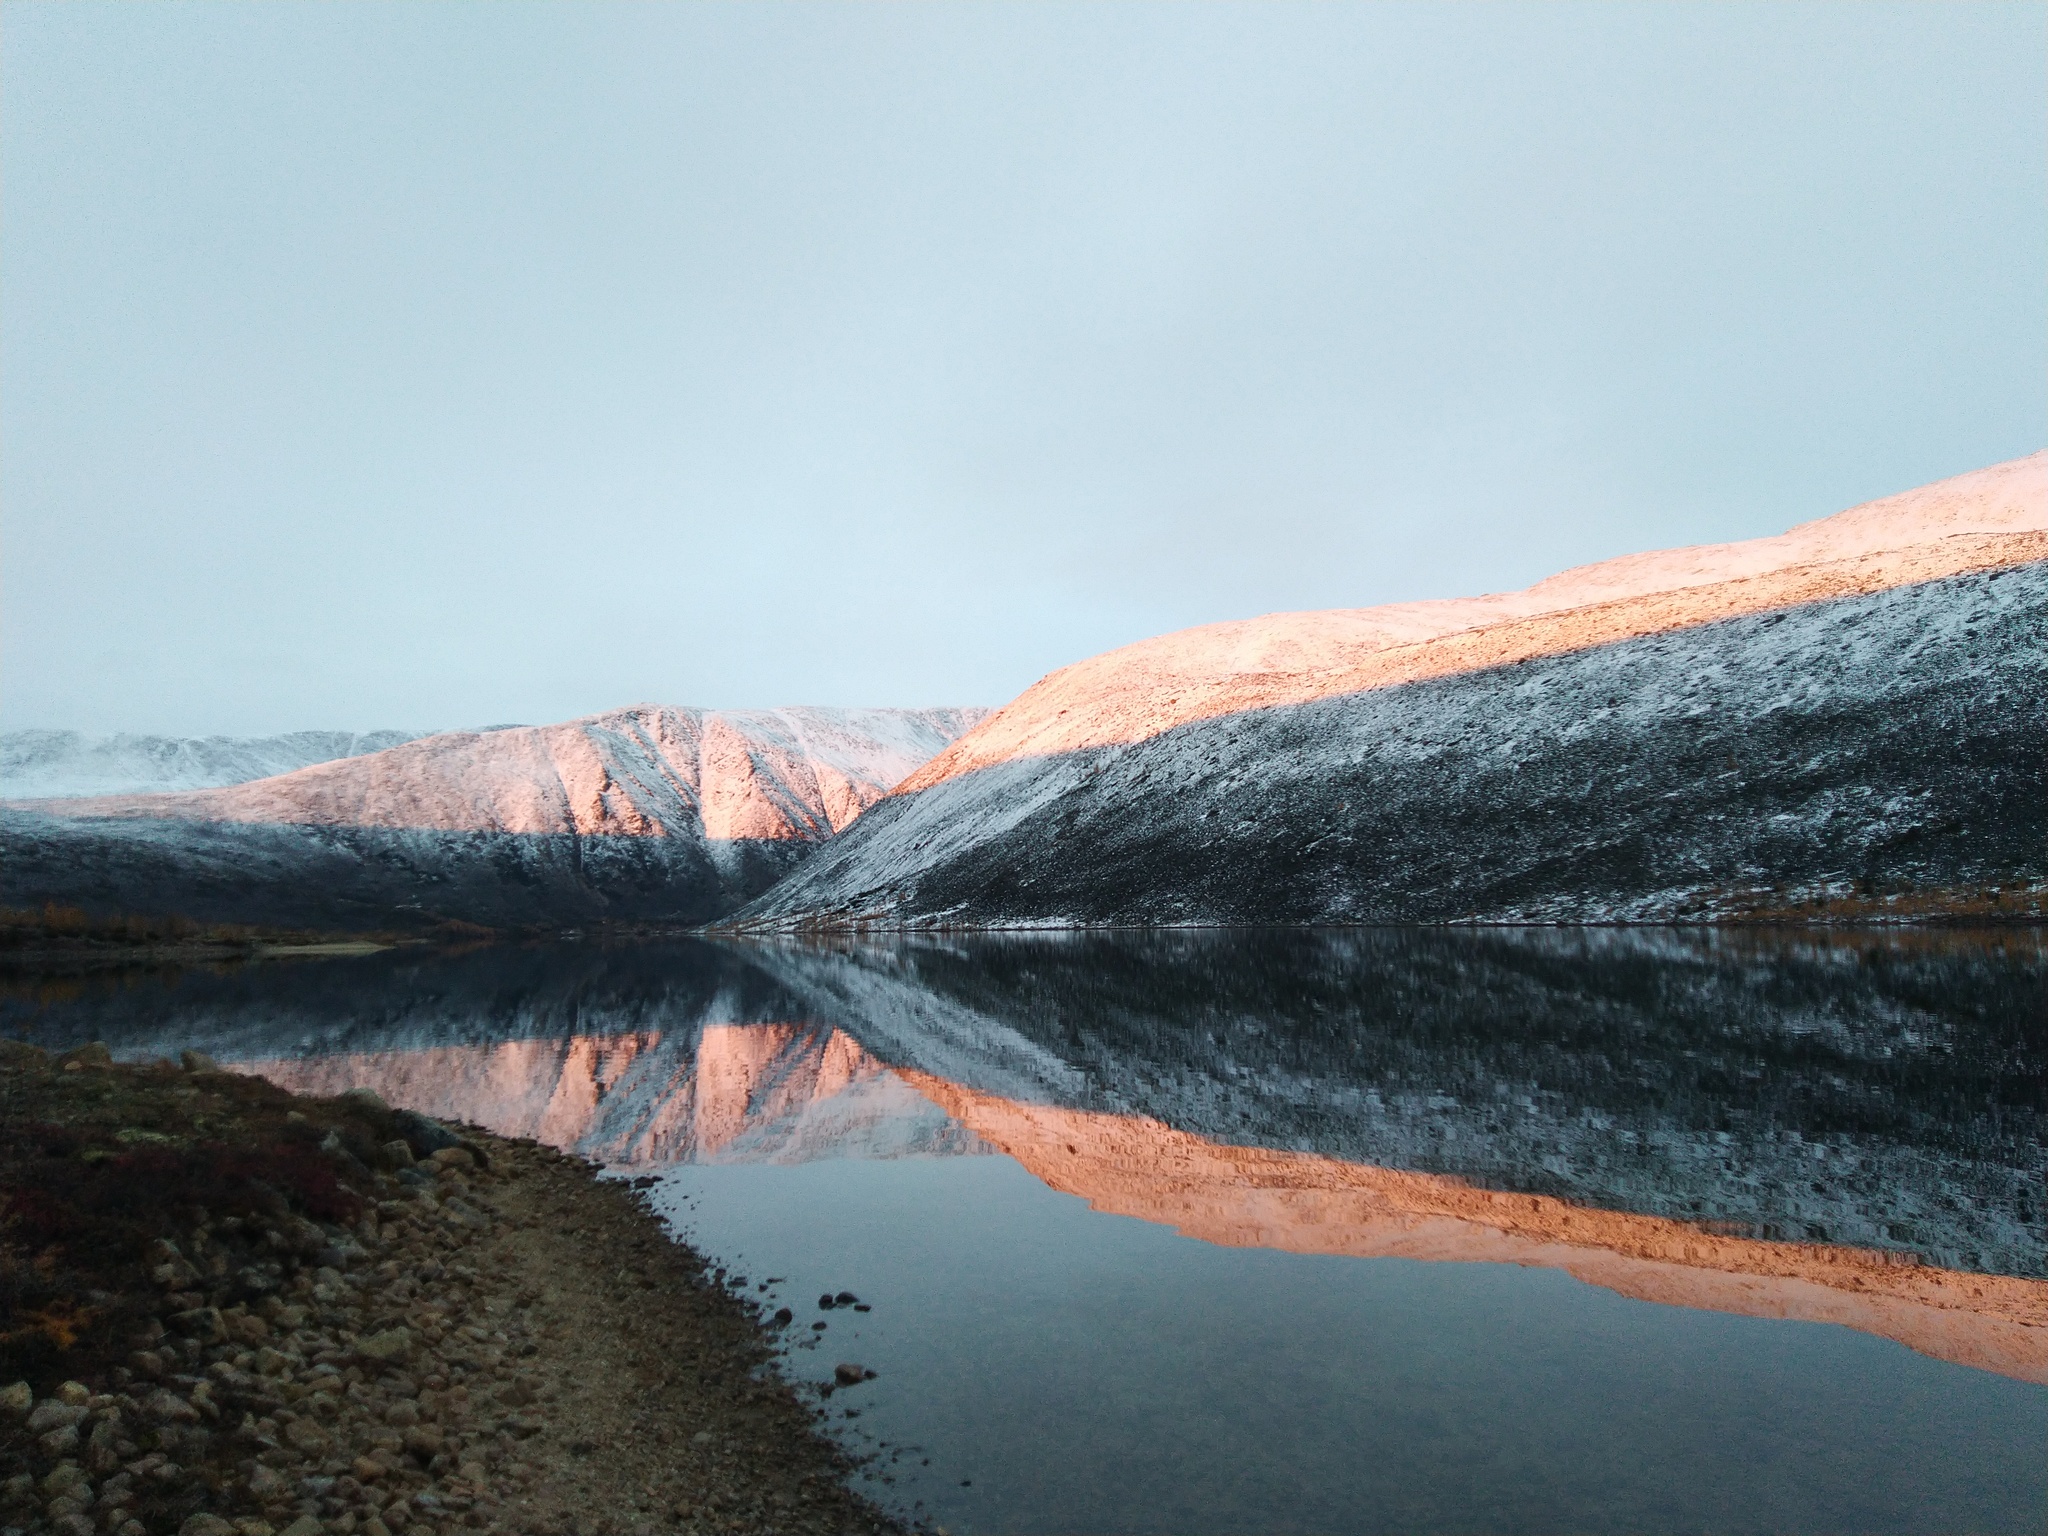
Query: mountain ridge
[1746, 735]
[645, 814]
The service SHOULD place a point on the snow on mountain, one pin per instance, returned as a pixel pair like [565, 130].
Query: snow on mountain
[41, 765]
[1856, 705]
[1985, 520]
[648, 813]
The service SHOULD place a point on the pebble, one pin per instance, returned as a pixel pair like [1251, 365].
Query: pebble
[285, 1387]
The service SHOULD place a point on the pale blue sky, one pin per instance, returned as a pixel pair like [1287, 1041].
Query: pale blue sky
[426, 365]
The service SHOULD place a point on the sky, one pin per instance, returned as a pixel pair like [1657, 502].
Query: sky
[439, 365]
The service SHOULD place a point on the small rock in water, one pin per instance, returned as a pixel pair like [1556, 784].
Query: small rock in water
[845, 1299]
[847, 1374]
[861, 1306]
[784, 1317]
[819, 1327]
[825, 1302]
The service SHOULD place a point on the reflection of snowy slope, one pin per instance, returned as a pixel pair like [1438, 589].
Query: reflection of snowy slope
[893, 1014]
[761, 1093]
[1788, 1094]
[1881, 1090]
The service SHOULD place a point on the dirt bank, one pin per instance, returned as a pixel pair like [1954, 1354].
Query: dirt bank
[229, 1311]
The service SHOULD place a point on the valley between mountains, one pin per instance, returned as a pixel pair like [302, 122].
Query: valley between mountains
[1846, 719]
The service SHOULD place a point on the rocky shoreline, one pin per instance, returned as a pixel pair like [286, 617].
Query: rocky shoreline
[229, 1311]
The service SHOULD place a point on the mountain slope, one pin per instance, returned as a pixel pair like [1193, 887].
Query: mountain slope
[1855, 706]
[648, 813]
[49, 764]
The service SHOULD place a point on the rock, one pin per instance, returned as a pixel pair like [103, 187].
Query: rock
[367, 1096]
[206, 1525]
[305, 1435]
[267, 1485]
[69, 1475]
[393, 1344]
[784, 1317]
[818, 1327]
[847, 1374]
[826, 1302]
[94, 1055]
[197, 1061]
[16, 1400]
[424, 1441]
[424, 1135]
[20, 1056]
[72, 1522]
[52, 1414]
[306, 1525]
[201, 1323]
[271, 1362]
[455, 1157]
[398, 1154]
[59, 1442]
[18, 1489]
[166, 1407]
[74, 1394]
[845, 1299]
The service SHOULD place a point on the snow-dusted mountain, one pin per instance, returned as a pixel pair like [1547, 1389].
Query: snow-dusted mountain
[1856, 706]
[648, 813]
[40, 765]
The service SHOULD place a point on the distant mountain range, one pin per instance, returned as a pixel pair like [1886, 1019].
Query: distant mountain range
[1828, 718]
[38, 765]
[1848, 718]
[651, 813]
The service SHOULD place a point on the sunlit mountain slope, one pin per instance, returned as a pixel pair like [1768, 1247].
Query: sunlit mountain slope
[1851, 709]
[652, 813]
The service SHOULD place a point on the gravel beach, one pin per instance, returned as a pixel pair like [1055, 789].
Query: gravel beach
[229, 1311]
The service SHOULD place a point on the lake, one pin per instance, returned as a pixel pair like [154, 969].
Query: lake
[1342, 1230]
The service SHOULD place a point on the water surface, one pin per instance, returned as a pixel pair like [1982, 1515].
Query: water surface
[1343, 1231]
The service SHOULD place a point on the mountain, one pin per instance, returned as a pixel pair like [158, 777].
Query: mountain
[49, 764]
[1842, 716]
[649, 813]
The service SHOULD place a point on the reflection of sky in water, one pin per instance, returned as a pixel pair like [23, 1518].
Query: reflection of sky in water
[1293, 1371]
[1094, 1373]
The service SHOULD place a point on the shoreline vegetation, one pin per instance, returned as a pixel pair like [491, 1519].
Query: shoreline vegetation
[55, 940]
[228, 1310]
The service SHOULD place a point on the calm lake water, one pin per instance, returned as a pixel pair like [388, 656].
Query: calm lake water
[1379, 1230]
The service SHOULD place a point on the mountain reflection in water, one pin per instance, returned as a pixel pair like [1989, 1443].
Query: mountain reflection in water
[1843, 1128]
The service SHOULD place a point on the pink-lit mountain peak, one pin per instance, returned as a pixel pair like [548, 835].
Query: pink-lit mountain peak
[646, 771]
